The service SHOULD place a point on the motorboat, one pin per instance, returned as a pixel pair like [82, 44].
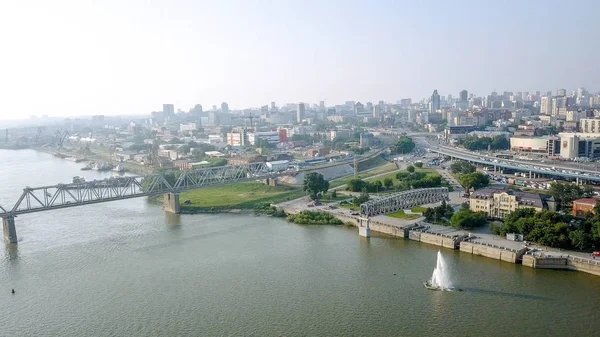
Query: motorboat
[428, 285]
[119, 169]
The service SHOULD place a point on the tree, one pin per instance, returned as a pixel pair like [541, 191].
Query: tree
[579, 239]
[565, 193]
[355, 185]
[474, 180]
[462, 167]
[388, 182]
[410, 168]
[418, 165]
[404, 145]
[364, 197]
[184, 149]
[467, 219]
[314, 183]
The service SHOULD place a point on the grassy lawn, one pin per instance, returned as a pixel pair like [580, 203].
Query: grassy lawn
[418, 209]
[351, 206]
[401, 215]
[243, 195]
[388, 167]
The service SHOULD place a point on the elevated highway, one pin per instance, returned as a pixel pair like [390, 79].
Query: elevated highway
[571, 173]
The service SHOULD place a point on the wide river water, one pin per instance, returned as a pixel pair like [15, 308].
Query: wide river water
[125, 268]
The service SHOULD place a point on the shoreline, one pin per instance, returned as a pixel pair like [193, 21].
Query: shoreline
[485, 245]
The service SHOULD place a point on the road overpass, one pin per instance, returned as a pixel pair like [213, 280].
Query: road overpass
[521, 166]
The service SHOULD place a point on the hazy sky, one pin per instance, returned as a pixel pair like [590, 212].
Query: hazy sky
[85, 57]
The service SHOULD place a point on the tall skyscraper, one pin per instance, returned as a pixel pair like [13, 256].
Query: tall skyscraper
[322, 106]
[546, 105]
[376, 111]
[168, 109]
[224, 107]
[435, 102]
[300, 113]
[561, 92]
[463, 95]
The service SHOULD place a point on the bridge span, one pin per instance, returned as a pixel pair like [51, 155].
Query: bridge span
[51, 197]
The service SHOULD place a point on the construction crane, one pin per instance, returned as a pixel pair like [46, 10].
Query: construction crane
[60, 138]
[251, 118]
[38, 135]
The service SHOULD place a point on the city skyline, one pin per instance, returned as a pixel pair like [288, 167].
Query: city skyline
[67, 61]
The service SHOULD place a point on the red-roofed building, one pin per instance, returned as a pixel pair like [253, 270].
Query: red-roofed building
[583, 206]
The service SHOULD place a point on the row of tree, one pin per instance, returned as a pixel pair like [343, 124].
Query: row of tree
[553, 229]
[565, 193]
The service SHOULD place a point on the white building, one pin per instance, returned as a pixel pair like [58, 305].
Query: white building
[279, 165]
[589, 125]
[188, 127]
[272, 137]
[546, 105]
[236, 138]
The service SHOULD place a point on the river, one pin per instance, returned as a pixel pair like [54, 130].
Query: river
[125, 268]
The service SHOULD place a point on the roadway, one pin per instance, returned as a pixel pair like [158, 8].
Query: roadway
[516, 165]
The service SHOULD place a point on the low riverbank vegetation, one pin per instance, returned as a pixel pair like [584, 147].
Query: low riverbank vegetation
[267, 209]
[314, 218]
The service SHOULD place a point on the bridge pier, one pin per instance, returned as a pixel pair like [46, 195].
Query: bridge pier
[171, 203]
[10, 232]
[365, 230]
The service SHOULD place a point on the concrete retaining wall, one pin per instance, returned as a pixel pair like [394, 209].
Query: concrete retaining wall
[387, 229]
[569, 263]
[491, 252]
[438, 240]
[586, 266]
[434, 239]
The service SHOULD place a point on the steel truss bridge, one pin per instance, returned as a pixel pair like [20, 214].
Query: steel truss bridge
[45, 198]
[403, 200]
[37, 199]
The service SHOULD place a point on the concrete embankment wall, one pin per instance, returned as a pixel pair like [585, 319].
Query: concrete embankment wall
[569, 263]
[492, 252]
[434, 239]
[387, 229]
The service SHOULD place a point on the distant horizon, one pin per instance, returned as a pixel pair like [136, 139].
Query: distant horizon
[65, 60]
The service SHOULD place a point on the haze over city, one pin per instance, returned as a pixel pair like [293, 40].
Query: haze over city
[71, 58]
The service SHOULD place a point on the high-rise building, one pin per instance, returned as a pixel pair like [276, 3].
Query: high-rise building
[168, 109]
[546, 105]
[435, 102]
[224, 107]
[463, 95]
[322, 105]
[561, 92]
[376, 111]
[300, 113]
[273, 106]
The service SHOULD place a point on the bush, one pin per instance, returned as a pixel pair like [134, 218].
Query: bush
[313, 218]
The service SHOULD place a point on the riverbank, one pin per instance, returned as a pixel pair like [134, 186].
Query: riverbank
[129, 167]
[481, 244]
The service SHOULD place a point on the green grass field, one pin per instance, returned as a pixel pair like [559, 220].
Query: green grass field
[239, 196]
[401, 215]
[418, 209]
